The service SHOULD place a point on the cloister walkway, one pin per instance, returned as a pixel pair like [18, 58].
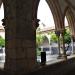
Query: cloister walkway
[57, 67]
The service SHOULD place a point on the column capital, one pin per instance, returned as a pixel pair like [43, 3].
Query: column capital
[3, 22]
[57, 33]
[35, 23]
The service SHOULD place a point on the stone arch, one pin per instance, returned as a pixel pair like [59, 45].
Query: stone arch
[47, 38]
[34, 13]
[0, 2]
[56, 12]
[70, 17]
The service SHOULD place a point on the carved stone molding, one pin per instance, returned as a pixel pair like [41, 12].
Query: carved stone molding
[3, 22]
[35, 23]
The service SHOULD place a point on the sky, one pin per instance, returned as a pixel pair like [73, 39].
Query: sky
[2, 17]
[1, 14]
[45, 14]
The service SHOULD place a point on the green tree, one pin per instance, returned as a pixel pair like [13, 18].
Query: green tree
[53, 37]
[67, 38]
[39, 39]
[2, 41]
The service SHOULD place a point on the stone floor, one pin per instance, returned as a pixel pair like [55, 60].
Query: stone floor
[57, 67]
[59, 60]
[53, 68]
[2, 72]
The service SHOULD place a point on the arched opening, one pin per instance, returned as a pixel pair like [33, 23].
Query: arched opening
[69, 25]
[67, 37]
[46, 27]
[44, 14]
[2, 38]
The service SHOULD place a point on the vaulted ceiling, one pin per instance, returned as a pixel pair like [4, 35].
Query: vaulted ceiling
[67, 3]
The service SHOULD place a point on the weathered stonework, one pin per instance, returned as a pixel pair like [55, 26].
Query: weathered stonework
[20, 32]
[20, 39]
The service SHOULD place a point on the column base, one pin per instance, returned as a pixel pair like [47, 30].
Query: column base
[64, 57]
[59, 57]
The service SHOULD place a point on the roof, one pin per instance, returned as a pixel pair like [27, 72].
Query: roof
[46, 29]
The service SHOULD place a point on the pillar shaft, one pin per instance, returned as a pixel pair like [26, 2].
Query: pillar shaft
[72, 44]
[63, 46]
[59, 45]
[20, 37]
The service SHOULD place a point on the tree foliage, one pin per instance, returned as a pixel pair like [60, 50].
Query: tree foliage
[53, 37]
[2, 41]
[67, 36]
[39, 39]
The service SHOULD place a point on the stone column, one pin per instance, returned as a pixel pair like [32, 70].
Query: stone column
[10, 35]
[72, 44]
[63, 45]
[20, 37]
[58, 35]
